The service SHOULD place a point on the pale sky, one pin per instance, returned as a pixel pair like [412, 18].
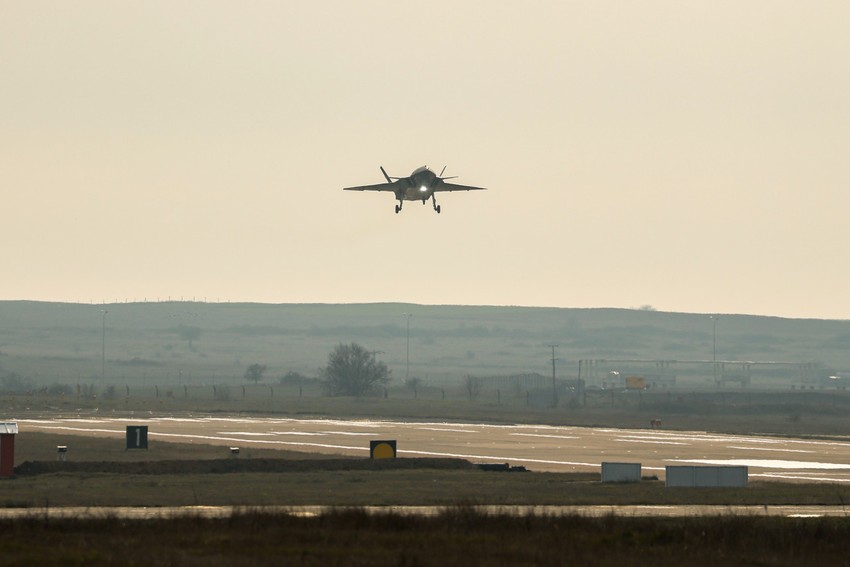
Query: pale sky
[689, 155]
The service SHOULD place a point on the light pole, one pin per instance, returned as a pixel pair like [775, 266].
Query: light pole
[103, 349]
[554, 387]
[407, 369]
[714, 346]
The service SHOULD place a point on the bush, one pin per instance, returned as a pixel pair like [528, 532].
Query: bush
[221, 393]
[13, 382]
[293, 378]
[60, 390]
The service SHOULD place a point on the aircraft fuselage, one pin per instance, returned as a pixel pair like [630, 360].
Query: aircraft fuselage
[418, 187]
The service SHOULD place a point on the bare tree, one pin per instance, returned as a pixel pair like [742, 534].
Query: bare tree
[473, 386]
[414, 384]
[254, 373]
[189, 334]
[353, 371]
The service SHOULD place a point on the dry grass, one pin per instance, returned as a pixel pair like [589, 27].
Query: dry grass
[298, 479]
[461, 535]
[419, 487]
[458, 536]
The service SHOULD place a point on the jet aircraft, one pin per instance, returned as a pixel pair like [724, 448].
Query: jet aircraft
[420, 186]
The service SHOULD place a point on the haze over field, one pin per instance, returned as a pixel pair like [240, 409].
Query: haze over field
[175, 343]
[689, 156]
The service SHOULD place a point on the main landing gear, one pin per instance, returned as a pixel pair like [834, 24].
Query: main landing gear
[433, 200]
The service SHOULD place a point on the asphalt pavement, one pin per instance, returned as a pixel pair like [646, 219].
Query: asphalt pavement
[536, 447]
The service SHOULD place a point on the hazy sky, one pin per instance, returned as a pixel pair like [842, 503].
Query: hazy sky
[692, 156]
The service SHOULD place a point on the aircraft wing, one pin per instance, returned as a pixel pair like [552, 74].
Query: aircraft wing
[376, 187]
[455, 187]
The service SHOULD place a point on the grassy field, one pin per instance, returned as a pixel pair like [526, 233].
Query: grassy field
[178, 358]
[172, 344]
[461, 534]
[457, 536]
[52, 363]
[300, 479]
[356, 487]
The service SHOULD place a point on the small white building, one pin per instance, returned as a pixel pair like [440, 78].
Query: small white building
[707, 476]
[620, 472]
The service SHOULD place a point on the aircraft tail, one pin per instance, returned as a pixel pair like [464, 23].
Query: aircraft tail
[441, 178]
[389, 179]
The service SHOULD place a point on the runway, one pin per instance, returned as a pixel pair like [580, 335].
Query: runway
[537, 447]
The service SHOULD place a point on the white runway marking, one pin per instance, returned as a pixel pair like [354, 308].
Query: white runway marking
[772, 449]
[248, 433]
[264, 441]
[766, 463]
[650, 441]
[777, 476]
[299, 433]
[352, 434]
[495, 458]
[541, 447]
[545, 436]
[84, 429]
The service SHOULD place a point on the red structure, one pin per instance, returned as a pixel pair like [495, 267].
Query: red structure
[8, 430]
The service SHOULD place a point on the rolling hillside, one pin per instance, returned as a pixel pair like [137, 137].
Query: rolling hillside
[201, 343]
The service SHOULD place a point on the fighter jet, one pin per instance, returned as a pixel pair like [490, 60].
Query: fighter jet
[420, 186]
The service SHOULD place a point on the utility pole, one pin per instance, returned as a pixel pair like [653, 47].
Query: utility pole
[714, 347]
[103, 349]
[554, 387]
[407, 367]
[580, 384]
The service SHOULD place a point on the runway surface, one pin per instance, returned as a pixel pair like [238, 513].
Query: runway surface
[537, 447]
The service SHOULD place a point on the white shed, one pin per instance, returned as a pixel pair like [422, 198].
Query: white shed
[713, 476]
[620, 472]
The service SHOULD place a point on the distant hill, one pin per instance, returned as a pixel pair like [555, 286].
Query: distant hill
[172, 342]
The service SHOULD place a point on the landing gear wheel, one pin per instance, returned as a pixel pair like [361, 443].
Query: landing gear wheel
[397, 209]
[437, 208]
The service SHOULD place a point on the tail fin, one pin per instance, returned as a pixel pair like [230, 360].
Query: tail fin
[441, 178]
[389, 180]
